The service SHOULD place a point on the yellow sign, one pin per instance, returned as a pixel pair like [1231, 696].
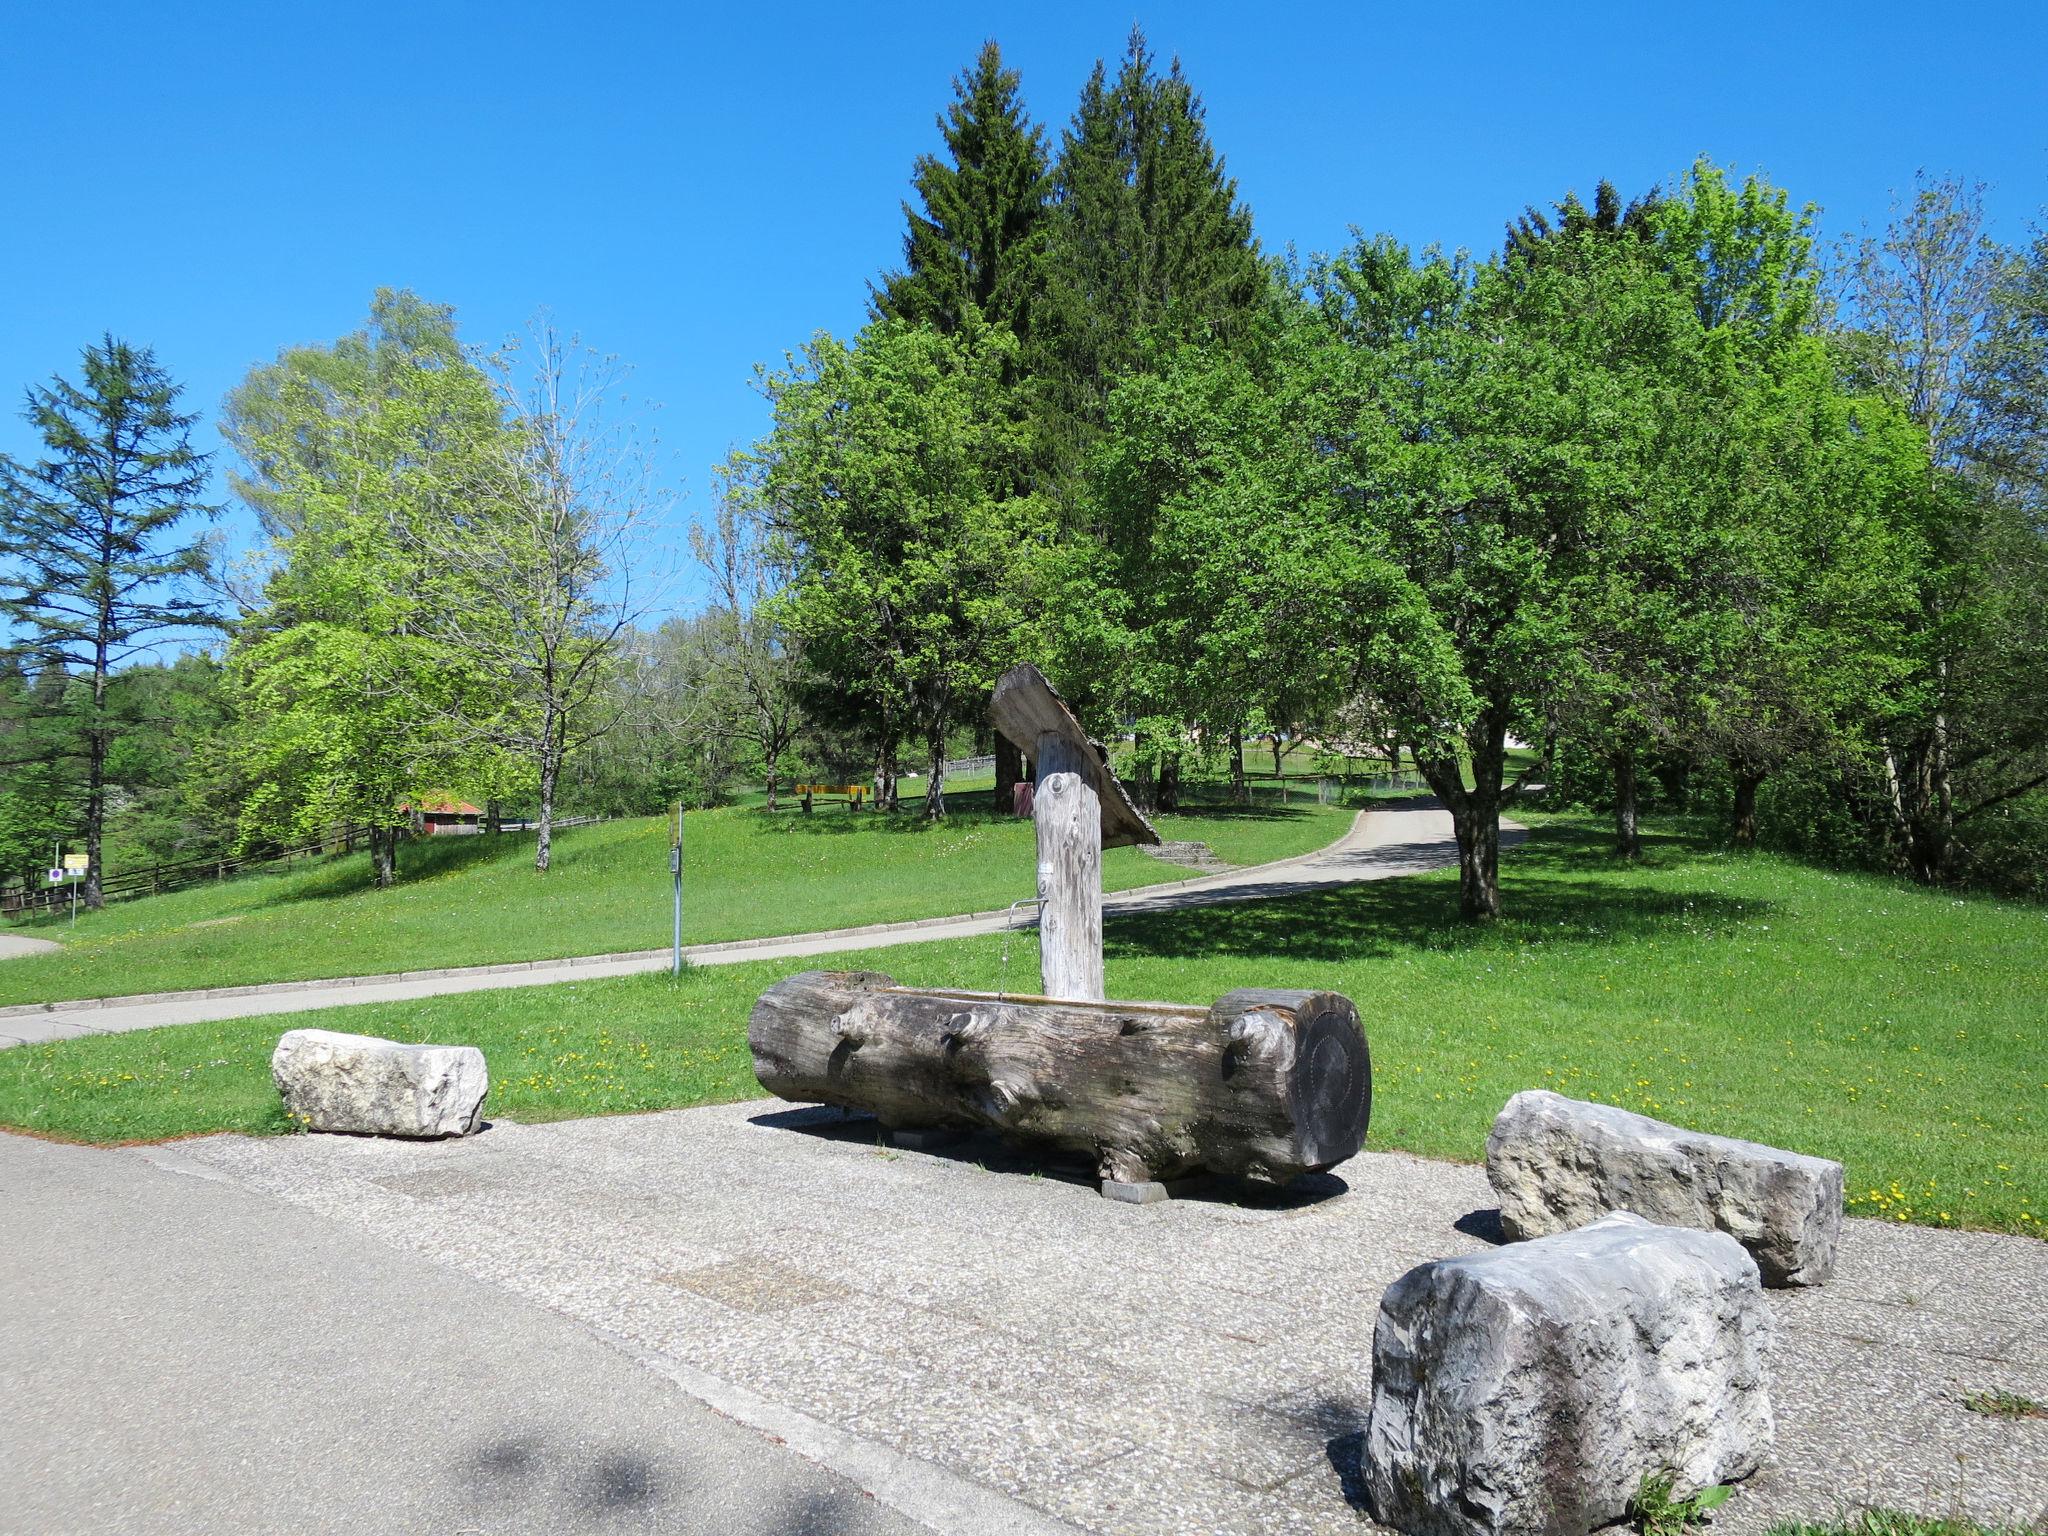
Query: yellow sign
[75, 862]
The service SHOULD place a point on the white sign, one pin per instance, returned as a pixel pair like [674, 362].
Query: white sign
[76, 862]
[56, 876]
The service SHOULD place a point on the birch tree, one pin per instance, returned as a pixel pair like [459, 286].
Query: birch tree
[543, 546]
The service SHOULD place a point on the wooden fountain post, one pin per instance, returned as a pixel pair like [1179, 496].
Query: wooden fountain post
[1079, 810]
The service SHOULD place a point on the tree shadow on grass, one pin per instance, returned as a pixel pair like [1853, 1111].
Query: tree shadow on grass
[1385, 917]
[341, 875]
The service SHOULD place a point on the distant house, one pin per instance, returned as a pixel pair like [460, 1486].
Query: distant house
[443, 816]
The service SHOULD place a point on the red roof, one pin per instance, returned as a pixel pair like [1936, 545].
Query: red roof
[440, 805]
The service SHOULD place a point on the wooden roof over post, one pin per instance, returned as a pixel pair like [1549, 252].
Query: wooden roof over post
[1025, 708]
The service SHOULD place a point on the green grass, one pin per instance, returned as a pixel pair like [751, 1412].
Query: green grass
[1851, 1017]
[478, 901]
[1997, 1403]
[1891, 1522]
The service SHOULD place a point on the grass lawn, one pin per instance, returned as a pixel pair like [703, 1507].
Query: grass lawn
[1895, 1029]
[477, 901]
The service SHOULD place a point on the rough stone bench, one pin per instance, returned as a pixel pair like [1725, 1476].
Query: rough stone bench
[370, 1087]
[1558, 1163]
[1529, 1390]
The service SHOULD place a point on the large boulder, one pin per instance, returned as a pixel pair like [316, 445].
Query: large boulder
[1558, 1163]
[1529, 1390]
[373, 1087]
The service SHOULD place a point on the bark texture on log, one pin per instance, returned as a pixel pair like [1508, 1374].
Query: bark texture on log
[1266, 1084]
[1068, 814]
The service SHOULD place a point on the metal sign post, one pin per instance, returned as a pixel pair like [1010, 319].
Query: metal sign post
[675, 869]
[69, 870]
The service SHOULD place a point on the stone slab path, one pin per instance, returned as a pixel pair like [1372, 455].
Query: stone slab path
[1380, 844]
[1196, 1367]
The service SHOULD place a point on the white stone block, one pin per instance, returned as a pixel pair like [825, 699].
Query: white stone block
[373, 1087]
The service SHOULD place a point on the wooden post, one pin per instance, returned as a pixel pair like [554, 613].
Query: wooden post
[1068, 814]
[1079, 809]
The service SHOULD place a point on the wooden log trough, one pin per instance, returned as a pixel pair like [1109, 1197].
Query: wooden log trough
[1264, 1085]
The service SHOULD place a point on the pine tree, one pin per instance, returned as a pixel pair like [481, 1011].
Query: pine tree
[1150, 245]
[980, 240]
[85, 530]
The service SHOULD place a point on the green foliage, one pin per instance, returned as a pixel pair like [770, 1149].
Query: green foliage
[1654, 1510]
[977, 250]
[90, 583]
[1997, 1403]
[1891, 1522]
[349, 702]
[1150, 248]
[887, 483]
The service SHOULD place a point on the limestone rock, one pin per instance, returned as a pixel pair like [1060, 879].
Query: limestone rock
[373, 1087]
[1528, 1390]
[1558, 1163]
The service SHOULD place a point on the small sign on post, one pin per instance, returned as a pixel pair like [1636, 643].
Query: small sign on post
[69, 871]
[675, 869]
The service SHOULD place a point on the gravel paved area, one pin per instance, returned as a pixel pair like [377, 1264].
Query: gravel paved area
[12, 944]
[1193, 1367]
[1380, 844]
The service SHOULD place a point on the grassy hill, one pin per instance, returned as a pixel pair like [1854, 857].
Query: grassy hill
[1896, 1029]
[478, 901]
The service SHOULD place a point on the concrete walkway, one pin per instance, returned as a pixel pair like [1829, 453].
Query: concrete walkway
[12, 944]
[1201, 1366]
[1380, 844]
[185, 1355]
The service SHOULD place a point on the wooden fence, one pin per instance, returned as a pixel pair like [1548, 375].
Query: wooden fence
[158, 878]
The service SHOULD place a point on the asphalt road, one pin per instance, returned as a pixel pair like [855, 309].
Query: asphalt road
[178, 1354]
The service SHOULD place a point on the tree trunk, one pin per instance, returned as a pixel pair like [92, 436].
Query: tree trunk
[1475, 815]
[1169, 782]
[384, 856]
[935, 786]
[1628, 837]
[1674, 779]
[1744, 819]
[1240, 791]
[494, 817]
[550, 769]
[96, 775]
[768, 762]
[1068, 815]
[885, 774]
[1009, 770]
[1266, 1084]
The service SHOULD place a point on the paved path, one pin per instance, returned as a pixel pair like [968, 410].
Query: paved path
[185, 1355]
[1380, 844]
[12, 944]
[1195, 1367]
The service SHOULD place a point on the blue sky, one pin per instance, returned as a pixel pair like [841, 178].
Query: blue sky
[698, 191]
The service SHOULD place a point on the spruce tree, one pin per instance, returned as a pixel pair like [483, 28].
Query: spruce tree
[1150, 245]
[83, 533]
[980, 238]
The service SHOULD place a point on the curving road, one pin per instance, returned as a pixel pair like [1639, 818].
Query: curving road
[13, 944]
[1380, 845]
